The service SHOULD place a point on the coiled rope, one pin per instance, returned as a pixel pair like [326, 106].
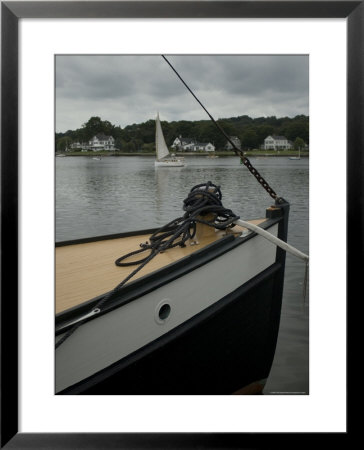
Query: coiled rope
[203, 205]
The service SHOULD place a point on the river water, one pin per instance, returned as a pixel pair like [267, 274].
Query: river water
[119, 194]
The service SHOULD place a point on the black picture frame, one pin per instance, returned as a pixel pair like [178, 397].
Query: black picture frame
[11, 12]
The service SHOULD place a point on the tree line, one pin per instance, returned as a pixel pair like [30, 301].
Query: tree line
[141, 137]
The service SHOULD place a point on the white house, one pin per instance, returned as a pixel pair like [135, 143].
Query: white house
[235, 140]
[76, 146]
[277, 143]
[183, 144]
[189, 144]
[98, 142]
[205, 146]
[101, 142]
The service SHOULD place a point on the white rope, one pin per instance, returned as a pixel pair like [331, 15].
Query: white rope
[273, 239]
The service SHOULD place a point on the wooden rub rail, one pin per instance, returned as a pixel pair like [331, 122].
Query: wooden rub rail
[87, 270]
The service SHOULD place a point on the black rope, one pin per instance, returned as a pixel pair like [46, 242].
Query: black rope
[237, 151]
[203, 205]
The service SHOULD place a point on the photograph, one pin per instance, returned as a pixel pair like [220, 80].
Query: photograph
[182, 224]
[181, 188]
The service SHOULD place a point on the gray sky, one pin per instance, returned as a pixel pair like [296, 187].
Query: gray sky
[132, 89]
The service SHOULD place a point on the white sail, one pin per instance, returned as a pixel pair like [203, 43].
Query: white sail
[162, 149]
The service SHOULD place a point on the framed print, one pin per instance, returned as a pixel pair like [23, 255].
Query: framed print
[37, 51]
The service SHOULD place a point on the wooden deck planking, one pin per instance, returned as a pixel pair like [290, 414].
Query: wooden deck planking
[84, 271]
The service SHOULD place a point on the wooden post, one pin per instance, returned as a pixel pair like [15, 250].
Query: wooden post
[203, 231]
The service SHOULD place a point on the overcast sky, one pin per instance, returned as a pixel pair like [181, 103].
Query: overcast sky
[132, 89]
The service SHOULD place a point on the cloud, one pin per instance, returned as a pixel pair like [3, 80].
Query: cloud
[126, 89]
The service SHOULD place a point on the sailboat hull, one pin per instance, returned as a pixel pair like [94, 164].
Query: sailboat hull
[169, 163]
[219, 334]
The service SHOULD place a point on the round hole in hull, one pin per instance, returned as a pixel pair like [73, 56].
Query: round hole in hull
[164, 311]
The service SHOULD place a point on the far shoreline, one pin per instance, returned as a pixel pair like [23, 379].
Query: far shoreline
[261, 153]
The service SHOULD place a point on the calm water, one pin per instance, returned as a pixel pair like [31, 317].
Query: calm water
[119, 194]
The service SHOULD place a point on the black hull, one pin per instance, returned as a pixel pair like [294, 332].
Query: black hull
[221, 350]
[226, 347]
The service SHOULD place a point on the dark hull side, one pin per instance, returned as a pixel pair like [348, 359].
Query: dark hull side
[221, 350]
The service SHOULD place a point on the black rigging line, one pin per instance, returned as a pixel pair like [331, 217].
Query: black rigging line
[237, 151]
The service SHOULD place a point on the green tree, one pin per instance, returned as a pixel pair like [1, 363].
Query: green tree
[120, 144]
[136, 137]
[297, 128]
[63, 143]
[148, 148]
[95, 126]
[298, 143]
[264, 131]
[250, 139]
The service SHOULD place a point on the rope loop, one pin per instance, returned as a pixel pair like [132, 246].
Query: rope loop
[203, 200]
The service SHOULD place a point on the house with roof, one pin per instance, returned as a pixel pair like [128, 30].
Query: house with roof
[277, 143]
[235, 140]
[77, 146]
[204, 146]
[101, 142]
[191, 145]
[96, 143]
[183, 144]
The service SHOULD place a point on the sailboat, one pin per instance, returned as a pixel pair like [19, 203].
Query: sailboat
[296, 157]
[164, 158]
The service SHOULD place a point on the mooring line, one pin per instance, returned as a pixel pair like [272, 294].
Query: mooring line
[276, 241]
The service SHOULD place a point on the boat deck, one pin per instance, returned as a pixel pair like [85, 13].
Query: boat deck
[87, 270]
